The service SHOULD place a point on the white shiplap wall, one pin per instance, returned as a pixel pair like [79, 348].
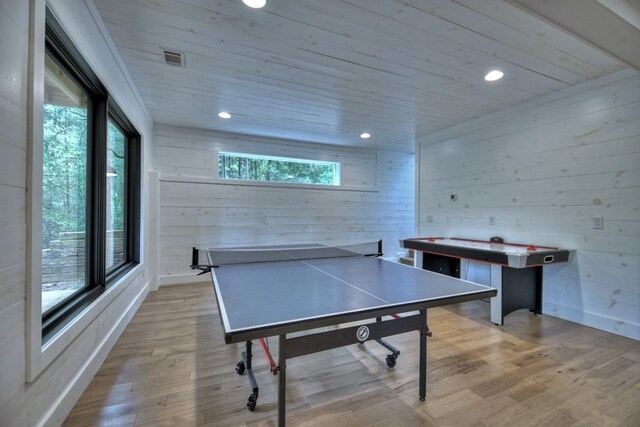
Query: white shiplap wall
[68, 363]
[14, 37]
[544, 169]
[375, 202]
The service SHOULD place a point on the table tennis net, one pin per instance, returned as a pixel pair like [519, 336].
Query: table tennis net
[226, 256]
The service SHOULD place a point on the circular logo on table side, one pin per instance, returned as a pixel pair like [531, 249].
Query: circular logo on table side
[362, 333]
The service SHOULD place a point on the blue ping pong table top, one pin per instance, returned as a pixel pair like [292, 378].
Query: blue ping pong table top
[271, 298]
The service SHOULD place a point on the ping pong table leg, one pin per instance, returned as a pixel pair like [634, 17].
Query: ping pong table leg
[246, 364]
[282, 380]
[391, 358]
[422, 386]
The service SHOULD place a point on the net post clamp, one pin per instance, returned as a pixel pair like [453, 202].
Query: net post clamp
[204, 268]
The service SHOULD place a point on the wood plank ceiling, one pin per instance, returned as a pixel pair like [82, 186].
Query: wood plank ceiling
[326, 71]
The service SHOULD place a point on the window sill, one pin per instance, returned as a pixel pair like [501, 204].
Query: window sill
[41, 356]
[203, 180]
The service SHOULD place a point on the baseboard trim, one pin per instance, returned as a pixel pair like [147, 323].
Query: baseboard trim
[179, 279]
[593, 320]
[63, 405]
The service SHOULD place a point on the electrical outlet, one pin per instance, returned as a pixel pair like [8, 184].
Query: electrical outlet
[598, 222]
[429, 218]
[492, 220]
[454, 197]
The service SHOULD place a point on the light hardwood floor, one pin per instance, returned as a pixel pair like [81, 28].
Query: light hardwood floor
[171, 368]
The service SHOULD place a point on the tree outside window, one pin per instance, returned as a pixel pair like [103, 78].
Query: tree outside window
[250, 167]
[64, 201]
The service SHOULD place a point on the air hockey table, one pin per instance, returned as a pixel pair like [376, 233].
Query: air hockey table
[516, 269]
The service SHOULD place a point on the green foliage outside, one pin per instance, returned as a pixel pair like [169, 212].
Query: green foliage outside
[231, 166]
[64, 171]
[64, 180]
[116, 141]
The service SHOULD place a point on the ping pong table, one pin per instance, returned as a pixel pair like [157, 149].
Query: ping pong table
[276, 291]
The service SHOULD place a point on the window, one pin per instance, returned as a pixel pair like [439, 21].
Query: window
[90, 185]
[251, 167]
[116, 194]
[64, 172]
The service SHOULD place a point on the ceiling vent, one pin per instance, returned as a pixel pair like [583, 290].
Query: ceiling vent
[173, 57]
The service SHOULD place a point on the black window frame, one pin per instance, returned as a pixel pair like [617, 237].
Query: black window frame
[132, 191]
[100, 109]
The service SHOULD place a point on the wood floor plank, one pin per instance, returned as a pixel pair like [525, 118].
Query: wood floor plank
[171, 368]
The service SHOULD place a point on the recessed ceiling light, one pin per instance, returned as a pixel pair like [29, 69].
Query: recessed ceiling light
[256, 4]
[224, 115]
[365, 135]
[493, 75]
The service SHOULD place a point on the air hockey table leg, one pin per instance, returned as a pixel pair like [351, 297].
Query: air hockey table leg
[417, 259]
[496, 302]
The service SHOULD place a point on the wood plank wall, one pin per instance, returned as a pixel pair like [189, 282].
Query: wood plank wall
[196, 209]
[14, 37]
[544, 169]
[81, 348]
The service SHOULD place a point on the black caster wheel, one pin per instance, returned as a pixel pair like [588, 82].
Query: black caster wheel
[240, 368]
[251, 403]
[391, 360]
